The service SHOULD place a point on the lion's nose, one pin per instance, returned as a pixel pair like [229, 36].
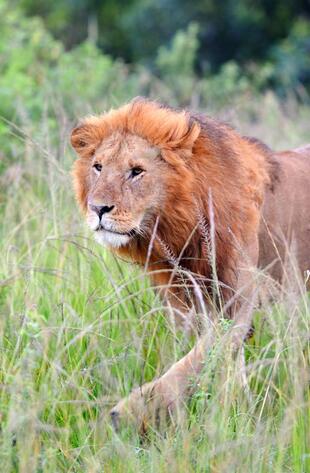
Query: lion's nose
[101, 209]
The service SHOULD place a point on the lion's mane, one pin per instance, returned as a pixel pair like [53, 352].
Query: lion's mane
[217, 181]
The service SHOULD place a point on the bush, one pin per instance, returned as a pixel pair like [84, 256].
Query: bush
[291, 58]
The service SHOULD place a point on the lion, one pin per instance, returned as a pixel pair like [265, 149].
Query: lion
[198, 204]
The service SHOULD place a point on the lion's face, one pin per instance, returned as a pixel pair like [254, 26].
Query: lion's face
[126, 188]
[134, 166]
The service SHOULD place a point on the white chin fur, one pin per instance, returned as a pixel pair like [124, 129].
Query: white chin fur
[112, 239]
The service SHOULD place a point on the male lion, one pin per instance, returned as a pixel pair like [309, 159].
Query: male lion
[197, 203]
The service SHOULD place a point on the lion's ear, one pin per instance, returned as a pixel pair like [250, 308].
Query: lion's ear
[191, 135]
[85, 138]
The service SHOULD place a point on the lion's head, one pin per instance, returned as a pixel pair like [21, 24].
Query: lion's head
[125, 188]
[127, 171]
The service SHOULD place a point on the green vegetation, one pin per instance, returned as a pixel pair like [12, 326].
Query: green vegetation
[79, 329]
[270, 33]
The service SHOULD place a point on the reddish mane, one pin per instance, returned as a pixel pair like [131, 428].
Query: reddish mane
[207, 159]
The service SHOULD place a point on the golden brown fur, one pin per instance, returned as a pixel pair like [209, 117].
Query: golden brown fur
[200, 177]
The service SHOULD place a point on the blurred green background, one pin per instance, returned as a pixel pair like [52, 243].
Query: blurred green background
[88, 55]
[273, 34]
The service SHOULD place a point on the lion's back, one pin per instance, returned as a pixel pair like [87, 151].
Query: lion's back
[286, 210]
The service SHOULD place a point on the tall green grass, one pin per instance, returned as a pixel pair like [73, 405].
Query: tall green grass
[79, 329]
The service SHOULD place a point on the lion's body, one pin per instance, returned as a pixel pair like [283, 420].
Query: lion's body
[285, 221]
[207, 202]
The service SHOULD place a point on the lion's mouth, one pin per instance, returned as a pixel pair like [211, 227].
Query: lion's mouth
[130, 234]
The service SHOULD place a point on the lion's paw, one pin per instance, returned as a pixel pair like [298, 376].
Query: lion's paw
[147, 407]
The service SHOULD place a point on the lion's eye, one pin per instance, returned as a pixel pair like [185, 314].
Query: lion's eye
[135, 171]
[97, 166]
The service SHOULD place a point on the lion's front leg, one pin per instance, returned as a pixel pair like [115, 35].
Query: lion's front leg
[163, 398]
